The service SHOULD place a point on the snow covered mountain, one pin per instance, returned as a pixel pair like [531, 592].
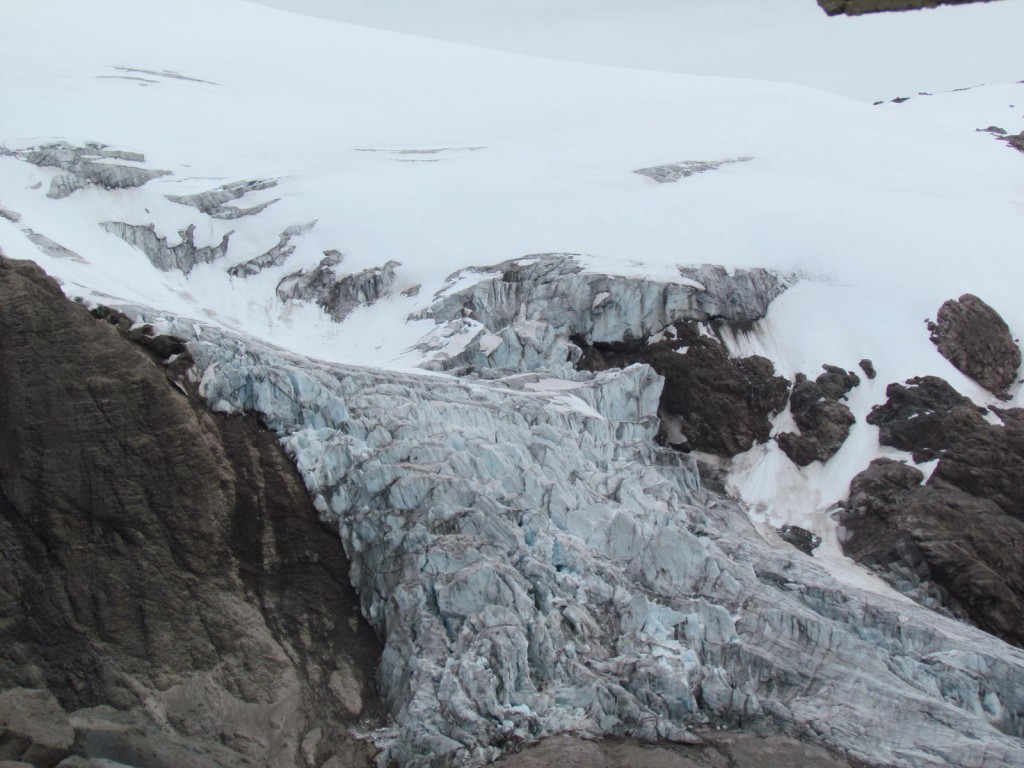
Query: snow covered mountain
[421, 263]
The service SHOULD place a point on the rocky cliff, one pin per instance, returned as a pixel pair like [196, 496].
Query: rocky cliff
[163, 574]
[857, 7]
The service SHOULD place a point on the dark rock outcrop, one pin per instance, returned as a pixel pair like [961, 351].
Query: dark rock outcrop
[857, 7]
[801, 538]
[925, 418]
[824, 422]
[710, 402]
[976, 340]
[161, 560]
[955, 543]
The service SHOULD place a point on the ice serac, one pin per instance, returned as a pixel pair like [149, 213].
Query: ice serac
[275, 256]
[88, 165]
[214, 202]
[521, 314]
[335, 292]
[537, 565]
[183, 256]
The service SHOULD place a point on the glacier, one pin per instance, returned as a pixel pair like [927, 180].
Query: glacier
[536, 565]
[388, 247]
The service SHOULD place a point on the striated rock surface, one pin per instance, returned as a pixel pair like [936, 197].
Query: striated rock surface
[521, 314]
[857, 7]
[824, 422]
[710, 402]
[975, 339]
[214, 202]
[276, 256]
[160, 560]
[538, 566]
[89, 165]
[183, 256]
[337, 293]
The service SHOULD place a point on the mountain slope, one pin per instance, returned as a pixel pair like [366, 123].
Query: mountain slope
[322, 211]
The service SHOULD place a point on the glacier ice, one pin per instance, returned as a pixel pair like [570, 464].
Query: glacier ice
[537, 565]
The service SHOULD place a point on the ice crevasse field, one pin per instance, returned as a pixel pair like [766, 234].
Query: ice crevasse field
[453, 134]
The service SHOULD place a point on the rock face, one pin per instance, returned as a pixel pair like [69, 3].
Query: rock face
[87, 166]
[538, 566]
[183, 256]
[975, 339]
[956, 543]
[925, 418]
[161, 560]
[824, 422]
[710, 402]
[857, 7]
[338, 294]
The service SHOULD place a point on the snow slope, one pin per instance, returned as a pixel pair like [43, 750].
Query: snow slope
[792, 41]
[440, 156]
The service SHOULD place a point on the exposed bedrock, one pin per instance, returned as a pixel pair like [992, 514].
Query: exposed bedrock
[925, 417]
[710, 402]
[824, 422]
[520, 315]
[538, 566]
[87, 166]
[957, 542]
[857, 7]
[159, 559]
[336, 292]
[976, 340]
[183, 256]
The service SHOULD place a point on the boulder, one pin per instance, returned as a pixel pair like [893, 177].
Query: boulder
[975, 339]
